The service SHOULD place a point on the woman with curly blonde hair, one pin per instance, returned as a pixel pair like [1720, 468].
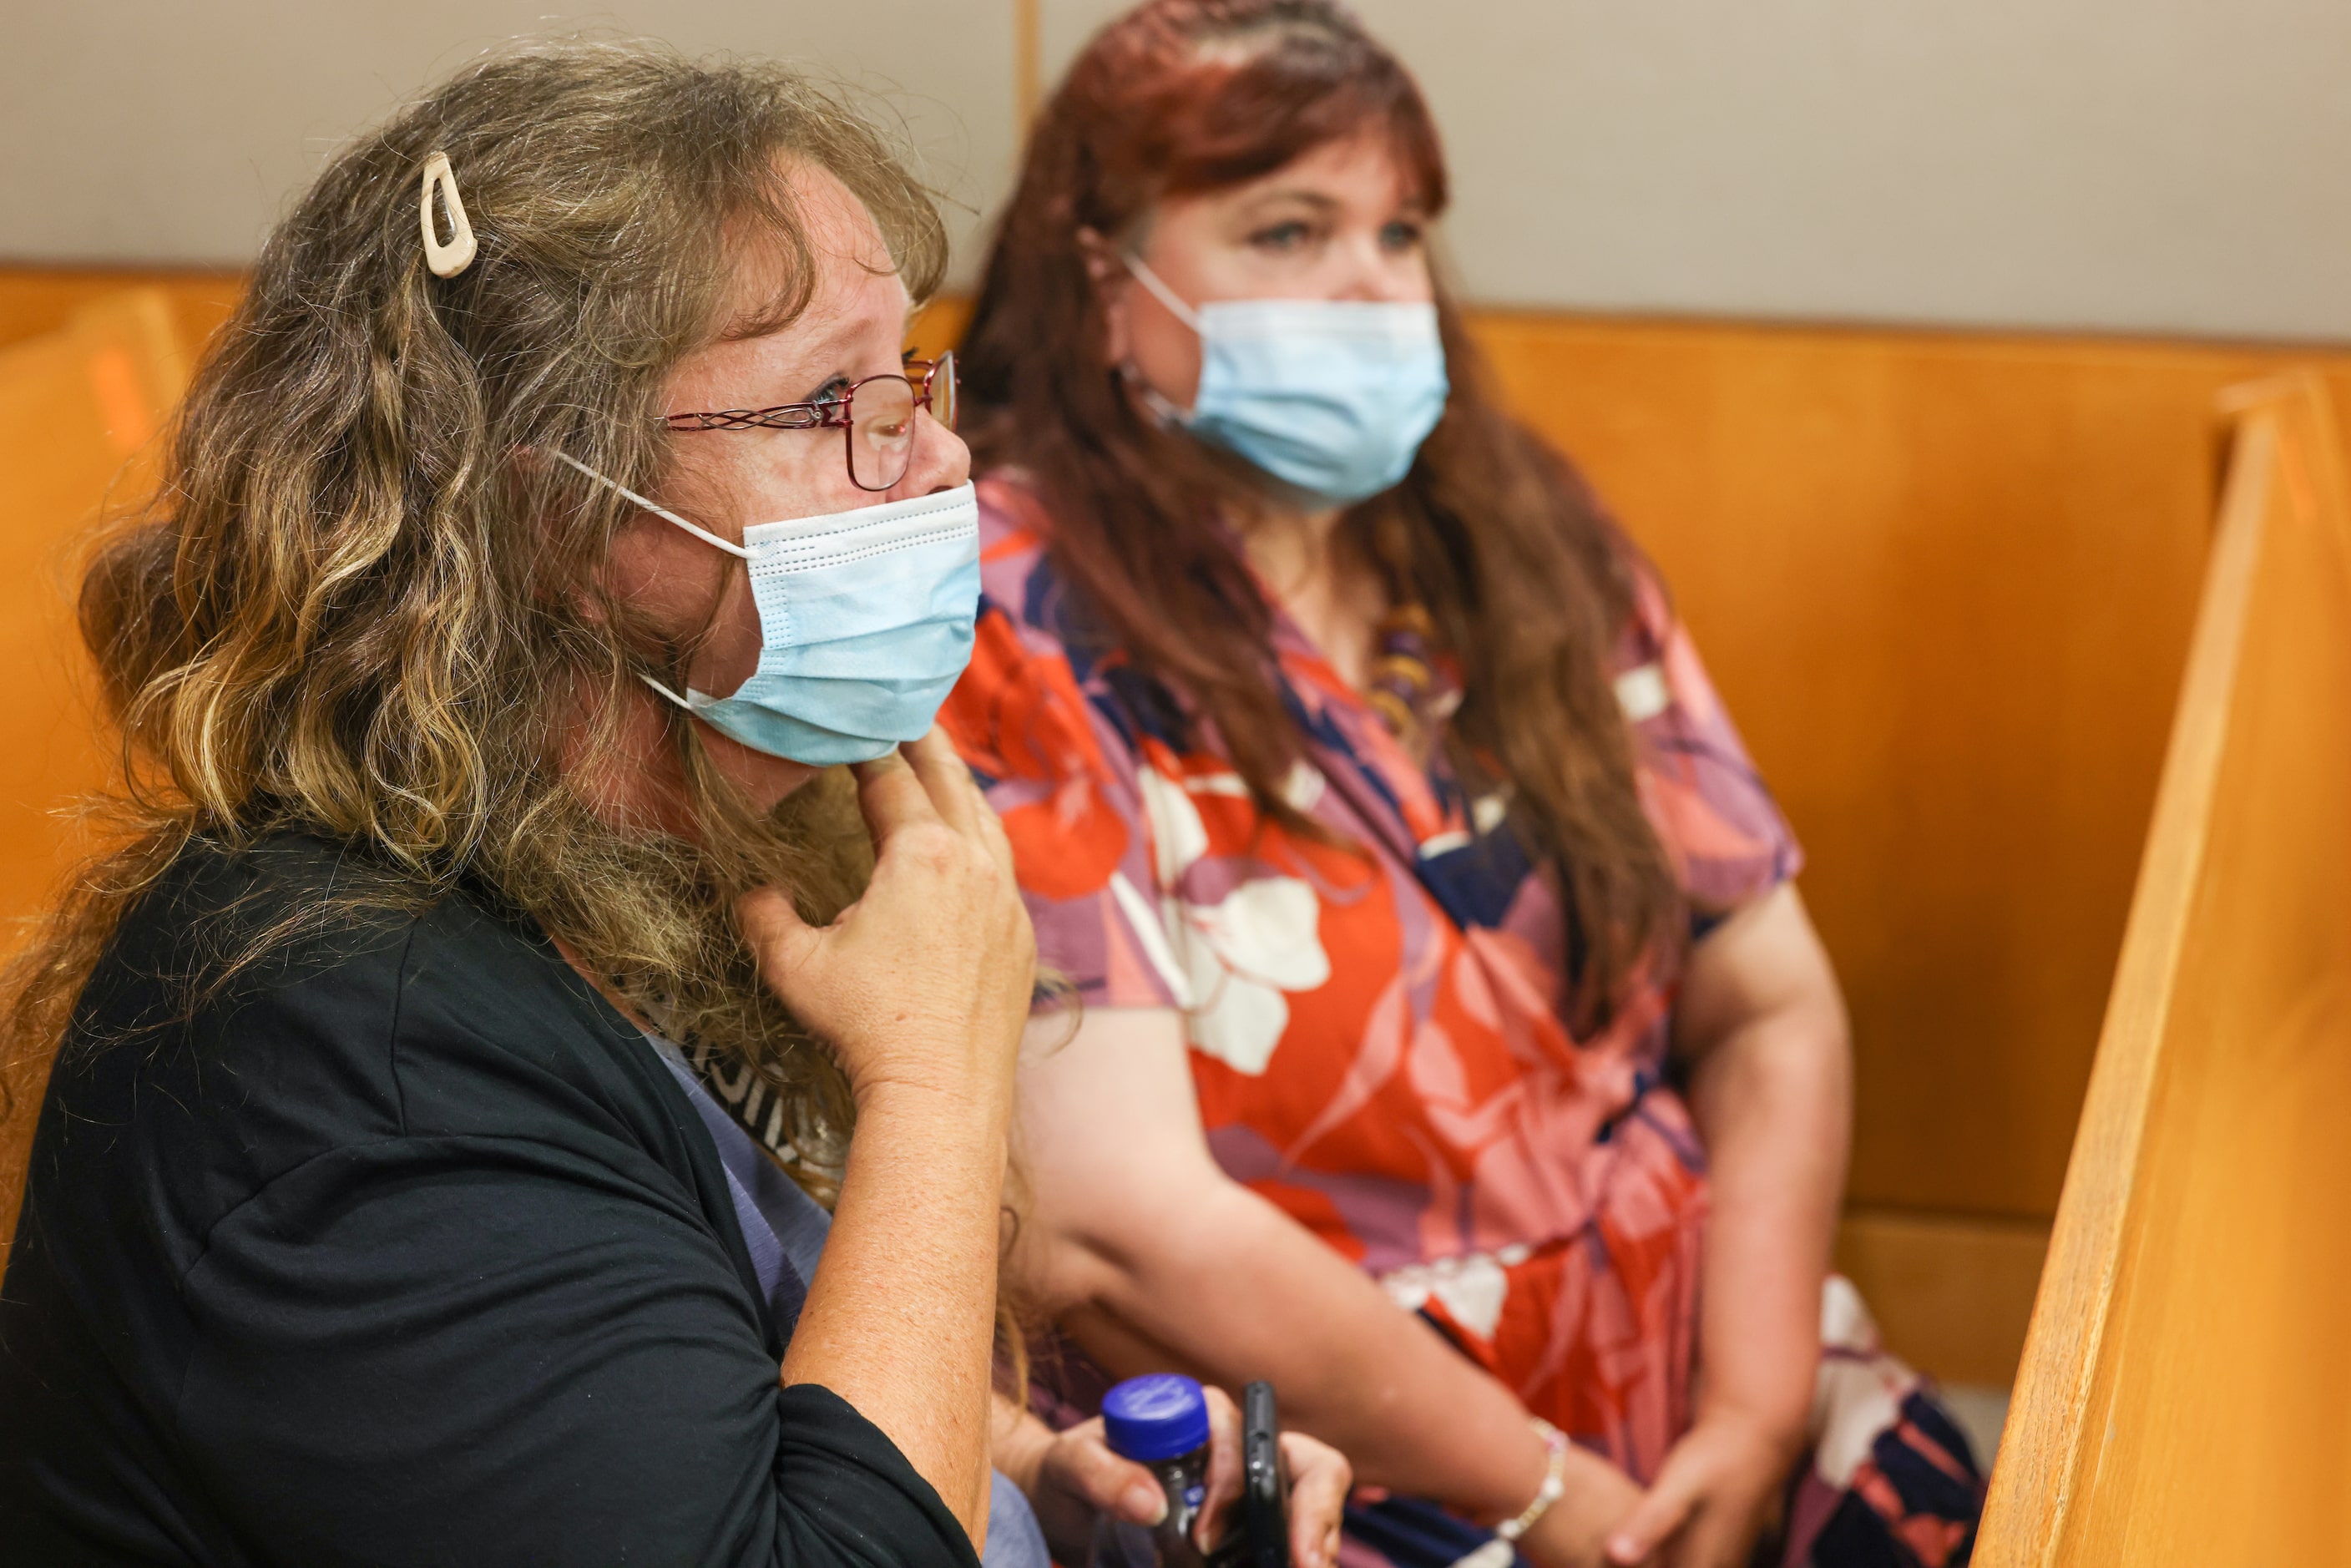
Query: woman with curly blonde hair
[450, 1060]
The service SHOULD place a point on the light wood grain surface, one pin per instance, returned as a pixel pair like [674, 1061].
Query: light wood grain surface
[1946, 585]
[81, 410]
[1952, 1295]
[34, 300]
[2183, 1393]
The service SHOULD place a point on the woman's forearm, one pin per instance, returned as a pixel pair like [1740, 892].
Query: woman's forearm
[1153, 1257]
[900, 1319]
[1208, 1276]
[1772, 1101]
[920, 989]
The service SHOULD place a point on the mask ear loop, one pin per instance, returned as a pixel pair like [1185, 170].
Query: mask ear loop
[1162, 407]
[705, 535]
[446, 260]
[1161, 292]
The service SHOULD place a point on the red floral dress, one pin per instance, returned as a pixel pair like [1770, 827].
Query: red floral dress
[1377, 1041]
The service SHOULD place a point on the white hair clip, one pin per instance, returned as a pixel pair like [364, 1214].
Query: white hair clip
[446, 260]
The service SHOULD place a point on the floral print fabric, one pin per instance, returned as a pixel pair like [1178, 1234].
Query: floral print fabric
[1375, 1023]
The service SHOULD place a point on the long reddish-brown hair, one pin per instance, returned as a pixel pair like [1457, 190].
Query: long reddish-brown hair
[1491, 532]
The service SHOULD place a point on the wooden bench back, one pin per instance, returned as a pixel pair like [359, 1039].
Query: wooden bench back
[2183, 1396]
[81, 412]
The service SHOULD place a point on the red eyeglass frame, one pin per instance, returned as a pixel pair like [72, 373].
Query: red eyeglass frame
[829, 414]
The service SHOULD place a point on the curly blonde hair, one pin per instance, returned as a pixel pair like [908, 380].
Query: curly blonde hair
[358, 608]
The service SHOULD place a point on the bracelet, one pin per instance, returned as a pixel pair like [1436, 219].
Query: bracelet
[1498, 1552]
[1554, 1481]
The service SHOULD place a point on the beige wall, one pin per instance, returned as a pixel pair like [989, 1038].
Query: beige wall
[149, 131]
[2148, 165]
[2135, 165]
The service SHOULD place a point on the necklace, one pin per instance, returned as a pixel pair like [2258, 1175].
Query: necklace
[1404, 672]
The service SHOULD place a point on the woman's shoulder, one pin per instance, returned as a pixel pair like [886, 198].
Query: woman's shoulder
[1016, 566]
[297, 932]
[269, 1004]
[1719, 822]
[1031, 626]
[1650, 623]
[1011, 509]
[1027, 600]
[232, 940]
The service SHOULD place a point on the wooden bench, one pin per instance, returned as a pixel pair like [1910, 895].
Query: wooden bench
[2186, 1391]
[82, 412]
[1947, 582]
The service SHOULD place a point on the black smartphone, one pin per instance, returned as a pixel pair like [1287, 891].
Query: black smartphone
[1265, 1481]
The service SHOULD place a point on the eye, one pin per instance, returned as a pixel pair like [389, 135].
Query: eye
[1282, 236]
[832, 390]
[1403, 233]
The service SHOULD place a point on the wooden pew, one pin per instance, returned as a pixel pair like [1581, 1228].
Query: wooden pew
[38, 300]
[1947, 582]
[2183, 1396]
[82, 409]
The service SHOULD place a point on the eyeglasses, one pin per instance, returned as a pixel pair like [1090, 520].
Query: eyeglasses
[876, 417]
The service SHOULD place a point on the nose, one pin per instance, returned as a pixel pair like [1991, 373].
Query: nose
[941, 461]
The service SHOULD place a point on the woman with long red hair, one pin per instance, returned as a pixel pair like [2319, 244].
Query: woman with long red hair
[1438, 941]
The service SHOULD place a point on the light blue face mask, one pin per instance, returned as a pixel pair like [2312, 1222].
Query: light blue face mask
[865, 621]
[1333, 397]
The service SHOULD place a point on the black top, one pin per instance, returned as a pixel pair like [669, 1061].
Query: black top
[406, 1249]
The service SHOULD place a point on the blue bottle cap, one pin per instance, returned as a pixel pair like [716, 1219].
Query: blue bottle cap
[1161, 1417]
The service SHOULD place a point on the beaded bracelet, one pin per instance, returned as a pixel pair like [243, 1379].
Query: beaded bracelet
[1498, 1552]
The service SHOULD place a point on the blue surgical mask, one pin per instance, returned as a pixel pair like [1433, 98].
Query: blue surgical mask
[865, 621]
[1333, 397]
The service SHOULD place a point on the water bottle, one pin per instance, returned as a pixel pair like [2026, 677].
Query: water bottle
[1160, 1422]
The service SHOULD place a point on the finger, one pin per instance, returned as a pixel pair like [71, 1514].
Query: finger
[992, 835]
[774, 929]
[1318, 1479]
[1225, 1462]
[1106, 1482]
[1660, 1513]
[891, 798]
[984, 822]
[1712, 1540]
[946, 779]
